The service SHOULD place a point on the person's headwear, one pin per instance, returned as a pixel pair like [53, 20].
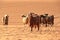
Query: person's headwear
[6, 15]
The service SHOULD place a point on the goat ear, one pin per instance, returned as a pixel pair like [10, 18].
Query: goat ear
[23, 15]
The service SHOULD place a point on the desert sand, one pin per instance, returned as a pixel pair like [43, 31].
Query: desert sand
[17, 31]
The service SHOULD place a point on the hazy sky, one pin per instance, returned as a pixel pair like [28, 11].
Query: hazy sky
[30, 0]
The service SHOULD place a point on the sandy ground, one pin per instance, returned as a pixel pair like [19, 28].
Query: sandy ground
[17, 31]
[21, 32]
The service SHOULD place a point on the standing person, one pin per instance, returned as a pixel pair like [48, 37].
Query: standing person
[5, 20]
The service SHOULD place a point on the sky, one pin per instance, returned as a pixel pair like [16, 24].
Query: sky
[29, 0]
